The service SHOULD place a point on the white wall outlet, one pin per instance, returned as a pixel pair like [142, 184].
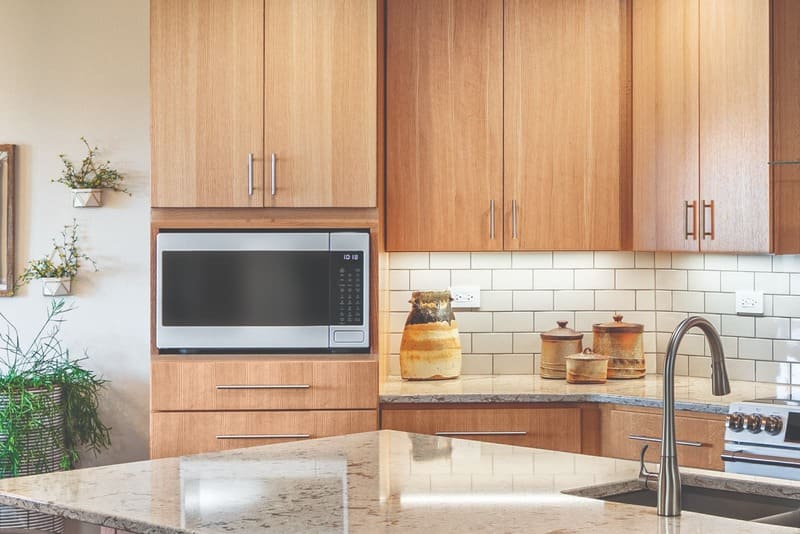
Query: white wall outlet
[466, 296]
[750, 302]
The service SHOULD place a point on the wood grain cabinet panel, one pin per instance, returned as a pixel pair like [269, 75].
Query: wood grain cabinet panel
[567, 133]
[444, 167]
[181, 433]
[555, 428]
[183, 385]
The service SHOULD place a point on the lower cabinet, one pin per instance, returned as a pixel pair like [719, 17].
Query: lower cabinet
[181, 433]
[554, 427]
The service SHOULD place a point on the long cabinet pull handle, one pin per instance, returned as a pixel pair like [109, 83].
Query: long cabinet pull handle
[485, 433]
[637, 437]
[491, 219]
[708, 206]
[690, 206]
[746, 457]
[264, 436]
[264, 386]
[513, 219]
[250, 174]
[273, 167]
[784, 162]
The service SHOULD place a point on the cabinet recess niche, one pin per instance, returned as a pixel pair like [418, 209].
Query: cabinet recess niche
[716, 123]
[264, 104]
[507, 124]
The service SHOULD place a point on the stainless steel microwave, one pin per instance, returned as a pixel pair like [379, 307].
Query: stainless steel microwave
[262, 291]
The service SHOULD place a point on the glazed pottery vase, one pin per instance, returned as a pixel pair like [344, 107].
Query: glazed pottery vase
[430, 348]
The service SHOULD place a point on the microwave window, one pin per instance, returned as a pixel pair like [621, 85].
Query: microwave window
[245, 288]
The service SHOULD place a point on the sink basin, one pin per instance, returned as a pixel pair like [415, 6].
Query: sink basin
[745, 503]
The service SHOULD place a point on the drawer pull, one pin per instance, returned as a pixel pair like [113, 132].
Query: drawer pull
[264, 436]
[264, 386]
[775, 461]
[485, 433]
[658, 440]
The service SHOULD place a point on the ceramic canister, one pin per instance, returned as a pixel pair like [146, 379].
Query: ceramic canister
[557, 344]
[622, 342]
[430, 348]
[587, 368]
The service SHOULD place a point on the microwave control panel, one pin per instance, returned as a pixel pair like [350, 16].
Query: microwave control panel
[347, 286]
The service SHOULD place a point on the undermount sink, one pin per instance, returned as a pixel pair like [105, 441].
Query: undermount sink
[730, 503]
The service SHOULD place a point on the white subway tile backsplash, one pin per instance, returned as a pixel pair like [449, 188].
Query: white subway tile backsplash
[425, 280]
[409, 260]
[795, 328]
[721, 262]
[671, 279]
[795, 283]
[773, 327]
[531, 260]
[663, 300]
[644, 260]
[635, 279]
[693, 345]
[492, 343]
[532, 300]
[755, 263]
[688, 301]
[645, 299]
[527, 342]
[703, 281]
[544, 321]
[513, 364]
[737, 281]
[774, 372]
[496, 300]
[700, 366]
[491, 260]
[397, 321]
[482, 278]
[512, 279]
[513, 322]
[687, 260]
[573, 260]
[662, 260]
[466, 342]
[730, 346]
[553, 279]
[785, 306]
[735, 325]
[474, 321]
[574, 300]
[681, 364]
[741, 369]
[450, 260]
[398, 280]
[394, 343]
[476, 364]
[786, 263]
[720, 302]
[776, 283]
[667, 321]
[398, 301]
[614, 260]
[714, 319]
[755, 348]
[594, 279]
[585, 320]
[615, 300]
[786, 351]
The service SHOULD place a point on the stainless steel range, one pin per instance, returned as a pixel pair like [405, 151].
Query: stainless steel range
[762, 437]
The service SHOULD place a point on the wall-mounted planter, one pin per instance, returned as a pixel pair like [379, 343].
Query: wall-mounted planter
[87, 198]
[56, 287]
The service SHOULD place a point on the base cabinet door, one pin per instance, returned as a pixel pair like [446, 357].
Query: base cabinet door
[182, 433]
[555, 428]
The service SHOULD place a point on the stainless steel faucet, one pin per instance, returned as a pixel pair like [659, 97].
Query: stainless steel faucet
[669, 477]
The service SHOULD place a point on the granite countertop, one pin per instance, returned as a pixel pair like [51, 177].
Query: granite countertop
[693, 394]
[382, 481]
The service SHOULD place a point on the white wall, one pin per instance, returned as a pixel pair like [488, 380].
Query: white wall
[70, 68]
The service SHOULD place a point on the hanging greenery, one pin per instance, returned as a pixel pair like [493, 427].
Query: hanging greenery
[62, 262]
[90, 174]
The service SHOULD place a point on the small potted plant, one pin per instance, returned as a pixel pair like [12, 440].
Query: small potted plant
[88, 181]
[57, 270]
[48, 409]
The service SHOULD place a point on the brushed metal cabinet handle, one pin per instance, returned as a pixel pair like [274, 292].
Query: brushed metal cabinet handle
[263, 386]
[513, 219]
[690, 206]
[491, 219]
[708, 206]
[784, 162]
[250, 174]
[273, 169]
[485, 433]
[263, 436]
[637, 437]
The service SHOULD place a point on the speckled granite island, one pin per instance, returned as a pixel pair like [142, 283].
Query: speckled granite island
[368, 483]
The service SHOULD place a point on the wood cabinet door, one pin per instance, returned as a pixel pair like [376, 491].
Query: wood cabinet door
[735, 125]
[666, 145]
[444, 135]
[206, 89]
[567, 132]
[320, 103]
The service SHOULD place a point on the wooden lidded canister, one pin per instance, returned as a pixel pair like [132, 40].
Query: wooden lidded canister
[557, 344]
[622, 342]
[431, 347]
[587, 368]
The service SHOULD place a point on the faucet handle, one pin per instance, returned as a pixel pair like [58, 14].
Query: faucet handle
[645, 476]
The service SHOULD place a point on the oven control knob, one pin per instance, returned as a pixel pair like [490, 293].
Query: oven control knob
[753, 423]
[772, 424]
[735, 421]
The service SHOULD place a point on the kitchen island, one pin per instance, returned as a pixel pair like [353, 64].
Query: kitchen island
[372, 482]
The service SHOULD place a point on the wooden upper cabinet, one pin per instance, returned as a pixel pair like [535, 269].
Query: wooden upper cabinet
[666, 149]
[320, 103]
[206, 80]
[444, 138]
[735, 125]
[567, 130]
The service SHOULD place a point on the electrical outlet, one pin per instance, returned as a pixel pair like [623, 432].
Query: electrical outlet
[466, 296]
[750, 302]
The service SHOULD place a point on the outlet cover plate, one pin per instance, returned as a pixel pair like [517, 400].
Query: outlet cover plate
[466, 296]
[750, 303]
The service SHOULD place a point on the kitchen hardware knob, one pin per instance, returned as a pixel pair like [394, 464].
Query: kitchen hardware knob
[735, 421]
[772, 424]
[753, 423]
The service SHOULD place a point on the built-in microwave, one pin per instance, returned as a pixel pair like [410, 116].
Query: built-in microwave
[304, 291]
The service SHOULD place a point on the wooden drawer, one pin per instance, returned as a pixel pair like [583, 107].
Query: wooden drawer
[706, 429]
[187, 385]
[181, 433]
[550, 427]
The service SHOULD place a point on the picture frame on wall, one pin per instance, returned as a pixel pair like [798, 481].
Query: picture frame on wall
[7, 153]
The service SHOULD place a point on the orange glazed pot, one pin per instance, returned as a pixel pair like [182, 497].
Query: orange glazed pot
[430, 348]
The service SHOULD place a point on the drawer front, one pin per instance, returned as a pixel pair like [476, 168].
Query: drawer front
[181, 433]
[703, 436]
[185, 385]
[545, 428]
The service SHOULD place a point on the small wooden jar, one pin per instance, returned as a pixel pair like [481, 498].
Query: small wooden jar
[587, 368]
[622, 342]
[557, 344]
